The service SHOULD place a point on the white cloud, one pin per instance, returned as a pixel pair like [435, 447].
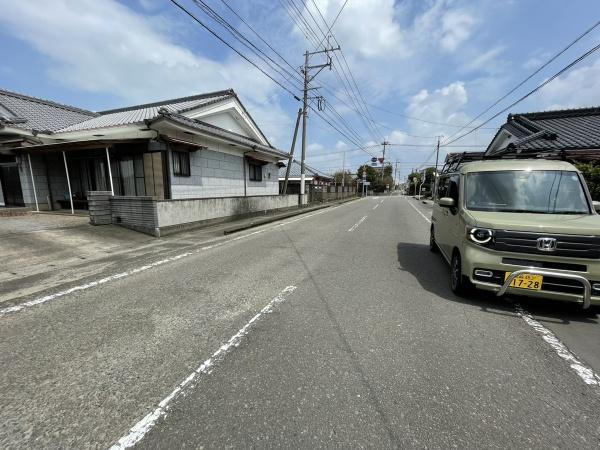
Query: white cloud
[578, 88]
[368, 28]
[105, 47]
[457, 27]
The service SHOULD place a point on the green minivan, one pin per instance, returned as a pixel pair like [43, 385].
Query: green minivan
[525, 226]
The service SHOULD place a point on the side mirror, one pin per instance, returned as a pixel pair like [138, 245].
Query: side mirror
[596, 206]
[447, 202]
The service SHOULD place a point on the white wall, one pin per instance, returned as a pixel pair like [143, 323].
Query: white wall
[219, 172]
[226, 122]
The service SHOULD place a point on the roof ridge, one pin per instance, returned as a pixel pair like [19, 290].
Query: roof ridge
[48, 102]
[561, 113]
[166, 102]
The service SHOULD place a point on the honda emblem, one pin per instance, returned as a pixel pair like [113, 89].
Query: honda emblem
[546, 244]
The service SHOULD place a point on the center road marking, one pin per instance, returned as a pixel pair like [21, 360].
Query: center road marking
[375, 207]
[355, 226]
[140, 429]
[101, 281]
[422, 215]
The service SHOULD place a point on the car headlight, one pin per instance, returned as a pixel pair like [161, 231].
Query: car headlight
[481, 236]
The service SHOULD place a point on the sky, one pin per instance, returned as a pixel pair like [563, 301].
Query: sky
[414, 69]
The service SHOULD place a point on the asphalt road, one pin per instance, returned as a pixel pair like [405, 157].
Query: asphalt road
[333, 329]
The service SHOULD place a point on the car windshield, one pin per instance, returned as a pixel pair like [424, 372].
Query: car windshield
[526, 191]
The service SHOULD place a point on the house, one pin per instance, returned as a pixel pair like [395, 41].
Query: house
[575, 132]
[312, 178]
[201, 146]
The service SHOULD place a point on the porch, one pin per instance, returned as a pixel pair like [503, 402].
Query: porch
[59, 176]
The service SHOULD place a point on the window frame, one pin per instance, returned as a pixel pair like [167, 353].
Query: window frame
[181, 162]
[253, 170]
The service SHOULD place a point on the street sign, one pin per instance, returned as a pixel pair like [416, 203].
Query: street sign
[373, 159]
[374, 164]
[366, 183]
[415, 179]
[381, 160]
[387, 186]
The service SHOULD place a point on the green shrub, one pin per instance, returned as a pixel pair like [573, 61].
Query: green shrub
[591, 173]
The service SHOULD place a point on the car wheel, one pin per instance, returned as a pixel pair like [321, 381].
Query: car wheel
[432, 244]
[458, 283]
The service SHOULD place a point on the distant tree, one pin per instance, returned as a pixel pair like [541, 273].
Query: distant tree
[345, 175]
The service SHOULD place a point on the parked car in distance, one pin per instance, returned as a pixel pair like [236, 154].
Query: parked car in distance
[526, 226]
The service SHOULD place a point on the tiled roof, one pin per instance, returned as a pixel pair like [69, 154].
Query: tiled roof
[295, 171]
[31, 113]
[569, 129]
[139, 113]
[220, 132]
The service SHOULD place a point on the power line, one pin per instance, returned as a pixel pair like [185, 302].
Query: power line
[246, 42]
[533, 91]
[333, 23]
[445, 124]
[207, 28]
[258, 35]
[538, 70]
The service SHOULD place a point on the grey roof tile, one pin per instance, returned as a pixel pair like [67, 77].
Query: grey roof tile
[296, 169]
[574, 129]
[38, 114]
[139, 113]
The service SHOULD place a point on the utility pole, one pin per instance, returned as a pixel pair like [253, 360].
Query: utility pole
[395, 174]
[307, 79]
[343, 169]
[384, 143]
[291, 158]
[437, 157]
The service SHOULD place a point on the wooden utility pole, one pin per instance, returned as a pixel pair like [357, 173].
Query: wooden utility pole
[291, 158]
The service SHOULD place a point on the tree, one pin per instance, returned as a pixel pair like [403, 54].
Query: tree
[345, 175]
[591, 173]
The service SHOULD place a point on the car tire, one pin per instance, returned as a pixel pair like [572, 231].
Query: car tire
[432, 244]
[459, 284]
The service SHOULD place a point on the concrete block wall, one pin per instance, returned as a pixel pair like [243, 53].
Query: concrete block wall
[177, 212]
[99, 207]
[137, 213]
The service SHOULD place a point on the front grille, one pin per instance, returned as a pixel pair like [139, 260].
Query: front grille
[545, 264]
[571, 246]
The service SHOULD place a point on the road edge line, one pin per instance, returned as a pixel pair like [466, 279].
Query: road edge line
[147, 423]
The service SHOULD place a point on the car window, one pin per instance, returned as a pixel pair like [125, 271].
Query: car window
[453, 188]
[442, 188]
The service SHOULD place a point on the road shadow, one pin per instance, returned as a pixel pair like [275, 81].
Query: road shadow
[433, 274]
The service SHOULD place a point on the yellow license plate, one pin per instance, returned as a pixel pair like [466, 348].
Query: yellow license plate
[526, 281]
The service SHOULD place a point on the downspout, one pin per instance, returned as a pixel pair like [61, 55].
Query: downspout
[244, 166]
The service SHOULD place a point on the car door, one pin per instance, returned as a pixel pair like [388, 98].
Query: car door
[453, 233]
[440, 216]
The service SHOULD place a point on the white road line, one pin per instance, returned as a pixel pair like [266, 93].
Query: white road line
[422, 215]
[83, 287]
[140, 429]
[585, 373]
[375, 207]
[355, 226]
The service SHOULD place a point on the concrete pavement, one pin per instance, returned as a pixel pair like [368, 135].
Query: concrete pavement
[371, 349]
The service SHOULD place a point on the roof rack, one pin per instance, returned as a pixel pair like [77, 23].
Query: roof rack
[455, 160]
